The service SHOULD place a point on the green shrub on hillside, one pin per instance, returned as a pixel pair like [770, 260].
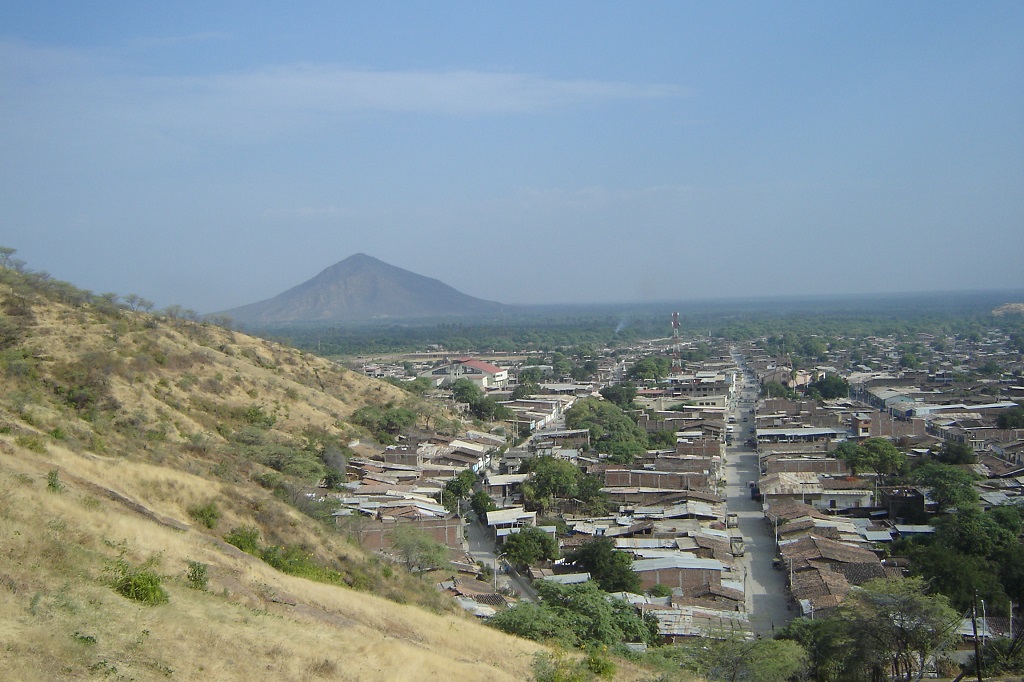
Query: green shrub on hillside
[53, 481]
[139, 584]
[245, 538]
[206, 514]
[196, 575]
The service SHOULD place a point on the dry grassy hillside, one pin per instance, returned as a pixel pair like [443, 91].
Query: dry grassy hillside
[115, 427]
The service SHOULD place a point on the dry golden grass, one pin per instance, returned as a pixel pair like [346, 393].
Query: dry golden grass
[60, 619]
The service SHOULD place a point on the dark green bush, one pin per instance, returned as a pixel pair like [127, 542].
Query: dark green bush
[245, 538]
[206, 514]
[139, 584]
[53, 481]
[197, 575]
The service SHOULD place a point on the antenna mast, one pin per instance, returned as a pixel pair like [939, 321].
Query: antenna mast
[677, 351]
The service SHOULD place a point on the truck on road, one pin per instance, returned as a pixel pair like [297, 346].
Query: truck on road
[736, 545]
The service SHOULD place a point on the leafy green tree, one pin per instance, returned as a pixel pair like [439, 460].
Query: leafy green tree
[524, 390]
[333, 480]
[958, 576]
[611, 569]
[550, 478]
[621, 395]
[1009, 562]
[883, 457]
[831, 386]
[951, 487]
[612, 431]
[773, 389]
[481, 503]
[1012, 418]
[465, 391]
[384, 423]
[734, 658]
[418, 386]
[531, 375]
[595, 617]
[584, 371]
[593, 500]
[536, 622]
[481, 406]
[560, 365]
[814, 348]
[990, 368]
[956, 453]
[576, 616]
[661, 440]
[855, 457]
[6, 253]
[902, 627]
[461, 487]
[830, 647]
[651, 368]
[530, 546]
[910, 361]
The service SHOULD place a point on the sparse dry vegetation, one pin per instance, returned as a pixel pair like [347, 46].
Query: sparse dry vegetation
[161, 435]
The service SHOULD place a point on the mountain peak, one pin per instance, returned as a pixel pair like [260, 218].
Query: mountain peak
[361, 288]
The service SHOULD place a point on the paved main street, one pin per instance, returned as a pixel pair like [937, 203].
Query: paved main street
[766, 592]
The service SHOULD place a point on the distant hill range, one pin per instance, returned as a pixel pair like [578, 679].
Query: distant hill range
[361, 289]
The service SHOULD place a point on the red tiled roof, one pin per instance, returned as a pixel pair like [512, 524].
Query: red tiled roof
[480, 365]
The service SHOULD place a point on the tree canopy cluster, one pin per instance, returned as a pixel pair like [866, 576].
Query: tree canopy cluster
[555, 479]
[530, 546]
[886, 627]
[829, 387]
[875, 454]
[576, 616]
[610, 568]
[973, 551]
[481, 406]
[385, 423]
[650, 368]
[612, 431]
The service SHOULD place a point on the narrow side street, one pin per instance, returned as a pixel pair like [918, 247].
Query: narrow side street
[481, 548]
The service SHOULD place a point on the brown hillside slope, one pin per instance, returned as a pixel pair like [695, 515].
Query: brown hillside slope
[113, 426]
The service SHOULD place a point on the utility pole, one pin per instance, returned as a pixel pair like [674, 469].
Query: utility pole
[977, 643]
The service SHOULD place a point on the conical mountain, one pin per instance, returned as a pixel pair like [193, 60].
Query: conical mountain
[362, 288]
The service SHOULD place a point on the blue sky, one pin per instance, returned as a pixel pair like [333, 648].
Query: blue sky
[215, 154]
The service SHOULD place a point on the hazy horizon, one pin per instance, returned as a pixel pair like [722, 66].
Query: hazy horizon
[582, 153]
[1011, 295]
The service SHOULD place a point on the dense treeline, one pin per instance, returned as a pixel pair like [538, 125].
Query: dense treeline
[791, 327]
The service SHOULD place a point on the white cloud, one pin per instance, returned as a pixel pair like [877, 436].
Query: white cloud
[273, 100]
[174, 41]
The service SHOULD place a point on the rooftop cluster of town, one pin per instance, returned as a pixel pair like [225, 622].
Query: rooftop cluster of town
[829, 517]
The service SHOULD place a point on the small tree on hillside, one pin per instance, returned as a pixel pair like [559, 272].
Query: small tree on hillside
[417, 549]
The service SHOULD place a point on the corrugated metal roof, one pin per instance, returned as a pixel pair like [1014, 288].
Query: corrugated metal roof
[680, 561]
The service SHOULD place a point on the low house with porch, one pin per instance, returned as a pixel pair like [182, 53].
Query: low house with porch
[504, 522]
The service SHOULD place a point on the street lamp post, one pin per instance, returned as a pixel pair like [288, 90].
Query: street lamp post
[498, 556]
